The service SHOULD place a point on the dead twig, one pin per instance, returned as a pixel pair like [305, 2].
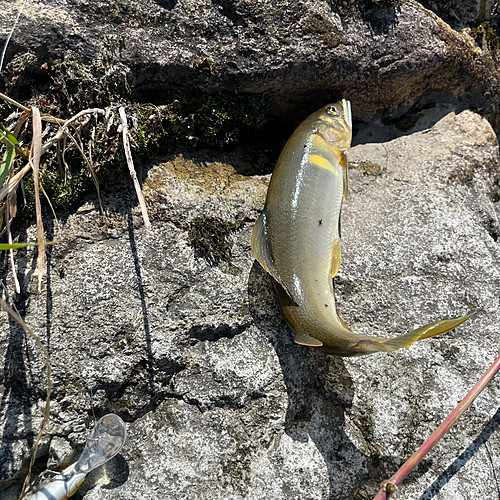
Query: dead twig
[130, 163]
[64, 126]
[389, 486]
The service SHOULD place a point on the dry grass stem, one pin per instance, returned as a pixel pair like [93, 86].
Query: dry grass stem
[64, 126]
[130, 163]
[50, 203]
[44, 117]
[36, 151]
[79, 146]
[12, 184]
[22, 119]
[14, 103]
[11, 251]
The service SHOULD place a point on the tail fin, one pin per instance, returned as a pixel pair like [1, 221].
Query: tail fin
[424, 332]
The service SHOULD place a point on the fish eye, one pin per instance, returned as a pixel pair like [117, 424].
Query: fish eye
[331, 110]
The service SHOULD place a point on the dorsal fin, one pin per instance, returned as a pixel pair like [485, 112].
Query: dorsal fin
[262, 250]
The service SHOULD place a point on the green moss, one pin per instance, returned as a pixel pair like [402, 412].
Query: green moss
[176, 120]
[209, 236]
[62, 194]
[368, 168]
[486, 36]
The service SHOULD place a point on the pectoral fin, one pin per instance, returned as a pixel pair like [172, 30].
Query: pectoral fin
[336, 258]
[343, 164]
[303, 338]
[262, 250]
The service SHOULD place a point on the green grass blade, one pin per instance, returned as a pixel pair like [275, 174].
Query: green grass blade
[6, 246]
[5, 139]
[7, 160]
[9, 136]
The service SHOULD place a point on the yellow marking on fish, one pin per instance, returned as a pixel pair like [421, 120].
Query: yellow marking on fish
[321, 162]
[319, 142]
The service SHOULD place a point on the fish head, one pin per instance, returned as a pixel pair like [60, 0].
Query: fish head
[335, 124]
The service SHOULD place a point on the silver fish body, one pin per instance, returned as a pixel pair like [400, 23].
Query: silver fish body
[297, 237]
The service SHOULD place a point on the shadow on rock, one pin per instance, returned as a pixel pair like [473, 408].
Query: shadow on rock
[167, 4]
[15, 404]
[389, 128]
[110, 476]
[381, 18]
[144, 309]
[433, 490]
[319, 391]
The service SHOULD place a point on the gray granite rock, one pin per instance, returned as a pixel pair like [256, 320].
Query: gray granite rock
[61, 453]
[387, 56]
[176, 330]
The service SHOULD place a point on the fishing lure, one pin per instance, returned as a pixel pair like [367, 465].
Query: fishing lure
[297, 237]
[106, 440]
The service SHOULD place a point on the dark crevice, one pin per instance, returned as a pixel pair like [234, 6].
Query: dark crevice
[491, 225]
[211, 334]
[230, 10]
[162, 373]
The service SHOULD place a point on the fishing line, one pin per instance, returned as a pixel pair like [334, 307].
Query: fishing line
[10, 34]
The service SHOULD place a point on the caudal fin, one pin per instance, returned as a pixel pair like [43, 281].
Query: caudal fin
[424, 332]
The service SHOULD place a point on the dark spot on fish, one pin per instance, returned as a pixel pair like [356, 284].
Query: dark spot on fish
[326, 305]
[320, 222]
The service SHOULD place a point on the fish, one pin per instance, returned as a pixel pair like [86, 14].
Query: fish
[296, 238]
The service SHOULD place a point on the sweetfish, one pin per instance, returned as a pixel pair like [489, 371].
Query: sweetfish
[297, 237]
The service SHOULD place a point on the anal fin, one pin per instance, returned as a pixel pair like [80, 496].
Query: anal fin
[303, 338]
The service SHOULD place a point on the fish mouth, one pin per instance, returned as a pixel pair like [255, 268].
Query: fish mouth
[346, 108]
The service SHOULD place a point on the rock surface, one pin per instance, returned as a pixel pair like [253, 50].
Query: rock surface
[387, 56]
[176, 331]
